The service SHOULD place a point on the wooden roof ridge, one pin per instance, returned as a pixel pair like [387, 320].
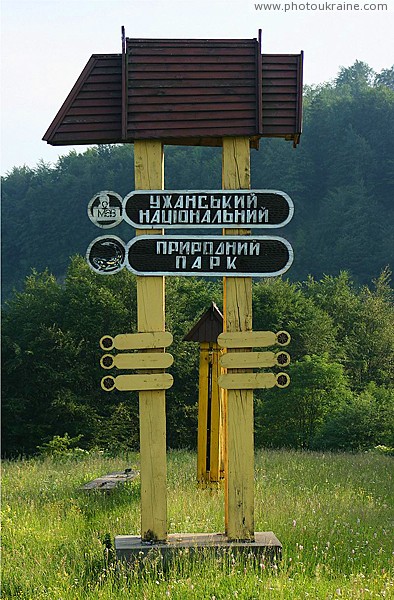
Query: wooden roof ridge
[62, 112]
[209, 325]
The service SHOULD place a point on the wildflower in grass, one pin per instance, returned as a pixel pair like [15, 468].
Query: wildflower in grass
[294, 522]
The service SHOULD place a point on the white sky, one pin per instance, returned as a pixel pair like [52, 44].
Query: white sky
[46, 43]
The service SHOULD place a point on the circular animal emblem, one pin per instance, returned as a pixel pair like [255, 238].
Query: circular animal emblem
[106, 255]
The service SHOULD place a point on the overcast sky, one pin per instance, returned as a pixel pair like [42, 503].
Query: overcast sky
[46, 44]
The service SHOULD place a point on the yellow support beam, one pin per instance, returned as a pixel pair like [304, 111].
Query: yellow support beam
[254, 360]
[137, 360]
[253, 339]
[137, 341]
[137, 383]
[253, 381]
[237, 293]
[149, 175]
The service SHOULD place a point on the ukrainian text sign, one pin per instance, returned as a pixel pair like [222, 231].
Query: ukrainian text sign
[209, 256]
[180, 209]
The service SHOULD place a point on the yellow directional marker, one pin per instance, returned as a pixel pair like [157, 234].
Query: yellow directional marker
[283, 338]
[136, 360]
[137, 383]
[251, 381]
[137, 341]
[282, 380]
[254, 360]
[253, 339]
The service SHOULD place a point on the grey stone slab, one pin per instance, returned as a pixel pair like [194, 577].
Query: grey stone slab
[110, 481]
[131, 548]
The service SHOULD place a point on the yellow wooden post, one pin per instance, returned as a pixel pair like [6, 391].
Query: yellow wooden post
[149, 175]
[238, 317]
[202, 434]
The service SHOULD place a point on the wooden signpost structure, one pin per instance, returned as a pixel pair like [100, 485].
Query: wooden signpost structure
[191, 92]
[211, 398]
[149, 174]
[237, 301]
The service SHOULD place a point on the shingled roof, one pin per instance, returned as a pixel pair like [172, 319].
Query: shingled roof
[191, 92]
[208, 327]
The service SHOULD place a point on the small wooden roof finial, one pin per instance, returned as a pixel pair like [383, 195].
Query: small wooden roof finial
[208, 327]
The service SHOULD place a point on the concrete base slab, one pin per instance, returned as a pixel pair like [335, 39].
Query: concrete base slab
[131, 548]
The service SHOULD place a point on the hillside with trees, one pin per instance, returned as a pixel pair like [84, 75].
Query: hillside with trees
[341, 394]
[341, 179]
[336, 300]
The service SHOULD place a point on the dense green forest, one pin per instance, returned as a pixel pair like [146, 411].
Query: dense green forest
[342, 370]
[336, 301]
[341, 179]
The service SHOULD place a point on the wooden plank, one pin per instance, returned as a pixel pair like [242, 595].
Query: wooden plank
[89, 110]
[87, 128]
[198, 83]
[149, 175]
[107, 78]
[151, 360]
[137, 383]
[247, 339]
[194, 130]
[254, 360]
[209, 101]
[239, 489]
[87, 137]
[202, 103]
[247, 381]
[187, 60]
[187, 78]
[206, 69]
[137, 341]
[190, 92]
[94, 117]
[190, 52]
[185, 115]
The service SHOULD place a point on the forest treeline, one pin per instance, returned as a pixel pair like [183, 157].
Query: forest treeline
[341, 394]
[341, 179]
[336, 300]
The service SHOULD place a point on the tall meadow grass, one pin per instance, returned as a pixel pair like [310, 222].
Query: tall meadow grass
[333, 514]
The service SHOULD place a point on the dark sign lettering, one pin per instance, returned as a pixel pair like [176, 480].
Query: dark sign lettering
[214, 209]
[209, 256]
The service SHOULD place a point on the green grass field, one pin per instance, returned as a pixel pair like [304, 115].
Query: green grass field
[333, 514]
